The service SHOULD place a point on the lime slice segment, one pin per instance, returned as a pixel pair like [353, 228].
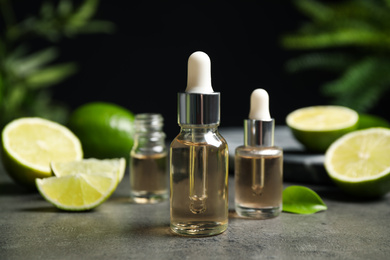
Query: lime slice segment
[90, 166]
[30, 144]
[77, 192]
[317, 127]
[359, 162]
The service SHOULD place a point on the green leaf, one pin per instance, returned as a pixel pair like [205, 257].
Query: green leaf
[33, 62]
[316, 60]
[338, 38]
[65, 8]
[369, 76]
[95, 26]
[47, 10]
[314, 9]
[302, 200]
[84, 13]
[51, 75]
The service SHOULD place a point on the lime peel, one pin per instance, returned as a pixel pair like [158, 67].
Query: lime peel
[369, 121]
[104, 129]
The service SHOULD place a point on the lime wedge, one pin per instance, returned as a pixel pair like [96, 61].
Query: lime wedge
[90, 166]
[30, 144]
[77, 192]
[317, 127]
[359, 162]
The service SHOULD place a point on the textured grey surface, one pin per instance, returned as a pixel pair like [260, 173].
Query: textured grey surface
[31, 228]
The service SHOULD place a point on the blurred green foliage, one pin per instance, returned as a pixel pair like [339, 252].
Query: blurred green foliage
[350, 38]
[26, 71]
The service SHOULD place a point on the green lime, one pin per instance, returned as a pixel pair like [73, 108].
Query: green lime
[359, 162]
[317, 127]
[31, 144]
[104, 129]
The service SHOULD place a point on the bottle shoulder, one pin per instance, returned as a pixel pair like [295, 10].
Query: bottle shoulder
[207, 139]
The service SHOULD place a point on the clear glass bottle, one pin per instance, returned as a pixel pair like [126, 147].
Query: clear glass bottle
[258, 164]
[148, 160]
[199, 160]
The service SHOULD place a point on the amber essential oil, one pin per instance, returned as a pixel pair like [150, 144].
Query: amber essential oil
[258, 182]
[149, 178]
[199, 187]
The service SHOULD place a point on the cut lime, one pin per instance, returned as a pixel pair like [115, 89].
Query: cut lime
[90, 166]
[318, 126]
[77, 192]
[359, 162]
[30, 144]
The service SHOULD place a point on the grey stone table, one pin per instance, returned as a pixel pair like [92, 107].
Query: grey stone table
[30, 228]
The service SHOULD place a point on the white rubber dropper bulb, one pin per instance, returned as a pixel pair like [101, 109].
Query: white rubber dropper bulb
[199, 73]
[259, 105]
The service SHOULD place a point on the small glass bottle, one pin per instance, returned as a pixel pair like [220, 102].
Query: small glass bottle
[199, 158]
[148, 160]
[258, 164]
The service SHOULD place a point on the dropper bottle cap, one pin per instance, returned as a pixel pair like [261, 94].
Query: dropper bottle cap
[199, 104]
[259, 128]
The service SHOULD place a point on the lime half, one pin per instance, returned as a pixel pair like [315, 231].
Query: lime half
[30, 144]
[359, 162]
[317, 127]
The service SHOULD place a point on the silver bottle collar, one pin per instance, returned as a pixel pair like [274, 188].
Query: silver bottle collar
[198, 108]
[259, 132]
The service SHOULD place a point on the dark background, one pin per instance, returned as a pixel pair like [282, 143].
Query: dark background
[143, 64]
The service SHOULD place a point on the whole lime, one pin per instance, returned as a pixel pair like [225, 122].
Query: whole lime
[104, 129]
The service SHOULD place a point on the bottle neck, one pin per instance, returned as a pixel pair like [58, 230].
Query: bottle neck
[198, 108]
[148, 131]
[199, 128]
[259, 132]
[148, 123]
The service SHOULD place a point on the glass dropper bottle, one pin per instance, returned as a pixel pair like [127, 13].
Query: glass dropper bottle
[258, 164]
[148, 160]
[199, 158]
